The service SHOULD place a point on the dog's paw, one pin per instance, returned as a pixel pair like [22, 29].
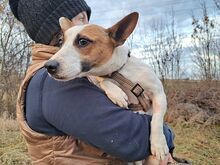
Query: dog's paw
[117, 96]
[159, 146]
[114, 93]
[120, 100]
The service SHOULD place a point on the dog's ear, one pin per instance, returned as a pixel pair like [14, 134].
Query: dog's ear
[122, 30]
[65, 23]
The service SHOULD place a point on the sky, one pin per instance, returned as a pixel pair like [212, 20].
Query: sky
[108, 12]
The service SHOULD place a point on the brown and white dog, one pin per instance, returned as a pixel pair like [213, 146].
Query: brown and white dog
[93, 50]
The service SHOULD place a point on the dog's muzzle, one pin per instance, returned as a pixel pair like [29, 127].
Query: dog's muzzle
[51, 66]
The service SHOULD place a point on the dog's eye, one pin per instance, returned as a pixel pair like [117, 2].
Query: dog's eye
[83, 42]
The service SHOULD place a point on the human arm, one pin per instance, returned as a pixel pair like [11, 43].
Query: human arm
[80, 109]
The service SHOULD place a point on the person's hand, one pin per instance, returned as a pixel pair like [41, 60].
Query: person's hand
[152, 160]
[167, 160]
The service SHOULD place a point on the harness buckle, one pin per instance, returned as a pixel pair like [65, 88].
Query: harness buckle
[137, 90]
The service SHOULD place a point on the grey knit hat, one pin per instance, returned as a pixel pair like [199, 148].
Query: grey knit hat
[41, 17]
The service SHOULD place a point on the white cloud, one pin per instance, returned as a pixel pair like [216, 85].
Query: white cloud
[107, 12]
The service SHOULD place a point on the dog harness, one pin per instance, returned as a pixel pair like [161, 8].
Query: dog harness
[144, 102]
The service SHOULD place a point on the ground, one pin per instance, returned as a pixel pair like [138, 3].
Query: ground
[12, 145]
[199, 145]
[194, 115]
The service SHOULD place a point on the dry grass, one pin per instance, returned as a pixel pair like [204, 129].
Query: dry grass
[7, 123]
[12, 146]
[200, 145]
[194, 113]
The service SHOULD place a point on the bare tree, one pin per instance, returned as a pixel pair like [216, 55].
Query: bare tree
[165, 46]
[14, 57]
[217, 3]
[205, 50]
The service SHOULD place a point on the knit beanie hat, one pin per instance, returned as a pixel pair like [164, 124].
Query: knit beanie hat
[41, 17]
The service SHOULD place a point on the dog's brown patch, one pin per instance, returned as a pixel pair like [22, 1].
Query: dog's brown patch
[101, 47]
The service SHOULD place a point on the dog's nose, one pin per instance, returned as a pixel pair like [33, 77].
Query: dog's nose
[52, 66]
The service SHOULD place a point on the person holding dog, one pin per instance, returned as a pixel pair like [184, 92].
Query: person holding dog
[72, 122]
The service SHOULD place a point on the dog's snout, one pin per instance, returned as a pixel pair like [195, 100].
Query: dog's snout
[52, 66]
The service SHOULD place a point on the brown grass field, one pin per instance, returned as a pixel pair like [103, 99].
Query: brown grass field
[194, 115]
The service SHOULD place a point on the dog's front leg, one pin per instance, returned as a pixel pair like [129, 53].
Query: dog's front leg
[114, 93]
[158, 141]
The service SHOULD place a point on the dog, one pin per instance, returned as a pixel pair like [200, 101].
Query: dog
[93, 50]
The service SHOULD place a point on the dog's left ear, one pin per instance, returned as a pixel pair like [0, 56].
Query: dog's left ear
[65, 23]
[122, 30]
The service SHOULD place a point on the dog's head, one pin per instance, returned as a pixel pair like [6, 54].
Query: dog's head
[91, 49]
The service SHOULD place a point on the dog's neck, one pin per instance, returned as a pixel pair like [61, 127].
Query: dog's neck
[118, 60]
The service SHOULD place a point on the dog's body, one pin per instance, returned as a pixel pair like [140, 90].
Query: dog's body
[93, 50]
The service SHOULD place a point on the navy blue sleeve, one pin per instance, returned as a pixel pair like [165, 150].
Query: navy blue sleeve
[80, 109]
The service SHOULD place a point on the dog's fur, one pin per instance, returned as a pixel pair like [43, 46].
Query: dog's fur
[94, 50]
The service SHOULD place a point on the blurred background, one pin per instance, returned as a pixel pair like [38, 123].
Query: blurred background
[178, 39]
